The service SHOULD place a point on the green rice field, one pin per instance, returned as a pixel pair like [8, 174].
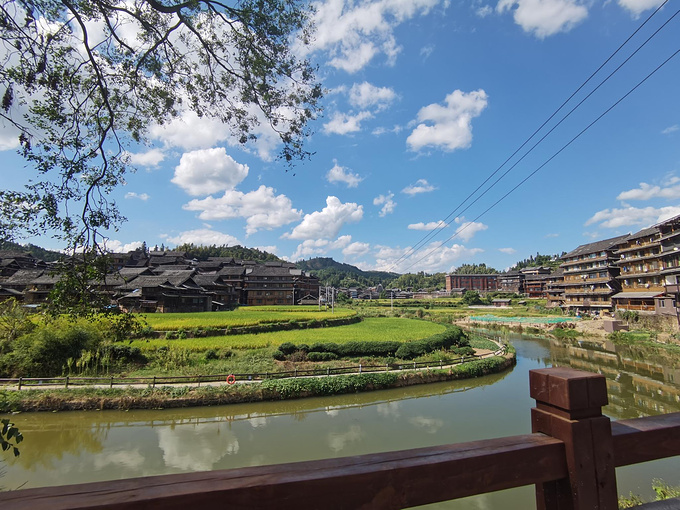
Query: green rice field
[246, 316]
[371, 329]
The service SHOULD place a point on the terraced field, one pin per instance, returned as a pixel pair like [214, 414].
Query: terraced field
[373, 329]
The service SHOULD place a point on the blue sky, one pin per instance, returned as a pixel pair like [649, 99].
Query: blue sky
[425, 100]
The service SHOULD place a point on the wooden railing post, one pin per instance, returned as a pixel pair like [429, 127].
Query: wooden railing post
[569, 408]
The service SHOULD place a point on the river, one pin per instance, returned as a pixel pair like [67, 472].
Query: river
[77, 447]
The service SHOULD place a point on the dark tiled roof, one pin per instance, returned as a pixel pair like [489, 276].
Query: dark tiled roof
[268, 271]
[598, 246]
[24, 276]
[645, 232]
[232, 271]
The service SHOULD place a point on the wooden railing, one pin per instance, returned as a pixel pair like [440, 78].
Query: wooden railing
[570, 456]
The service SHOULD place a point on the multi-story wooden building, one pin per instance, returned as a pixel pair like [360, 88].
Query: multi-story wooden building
[650, 267]
[511, 282]
[479, 282]
[554, 288]
[535, 281]
[267, 285]
[590, 273]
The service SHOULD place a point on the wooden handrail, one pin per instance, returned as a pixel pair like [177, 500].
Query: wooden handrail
[570, 458]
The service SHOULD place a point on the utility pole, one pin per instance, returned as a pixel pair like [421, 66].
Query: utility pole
[392, 301]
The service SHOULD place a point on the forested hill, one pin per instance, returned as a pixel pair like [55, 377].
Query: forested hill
[238, 252]
[338, 274]
[37, 252]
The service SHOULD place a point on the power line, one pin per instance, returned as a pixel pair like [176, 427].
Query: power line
[444, 223]
[554, 155]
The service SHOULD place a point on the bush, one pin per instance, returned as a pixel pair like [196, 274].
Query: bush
[322, 356]
[279, 356]
[287, 348]
[46, 351]
[211, 354]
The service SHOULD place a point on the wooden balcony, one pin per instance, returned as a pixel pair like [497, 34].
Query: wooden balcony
[570, 457]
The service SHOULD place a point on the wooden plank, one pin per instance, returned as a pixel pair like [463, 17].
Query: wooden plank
[644, 439]
[377, 481]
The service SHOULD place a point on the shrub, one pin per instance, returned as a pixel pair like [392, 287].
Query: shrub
[279, 356]
[211, 354]
[322, 356]
[287, 348]
[44, 352]
[303, 347]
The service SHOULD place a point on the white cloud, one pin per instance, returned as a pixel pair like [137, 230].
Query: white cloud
[382, 130]
[637, 7]
[327, 222]
[426, 51]
[670, 129]
[356, 249]
[341, 174]
[468, 229]
[204, 237]
[150, 158]
[432, 225]
[629, 216]
[353, 33]
[509, 251]
[435, 258]
[204, 172]
[484, 11]
[188, 131]
[115, 246]
[647, 192]
[9, 137]
[450, 124]
[311, 247]
[545, 17]
[421, 186]
[344, 123]
[261, 208]
[141, 196]
[387, 203]
[365, 95]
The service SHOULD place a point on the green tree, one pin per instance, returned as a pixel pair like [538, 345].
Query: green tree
[84, 80]
[475, 269]
[471, 297]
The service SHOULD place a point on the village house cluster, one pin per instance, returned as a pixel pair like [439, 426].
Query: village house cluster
[169, 281]
[636, 272]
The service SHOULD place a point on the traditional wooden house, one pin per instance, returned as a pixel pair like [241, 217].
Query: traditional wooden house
[224, 296]
[267, 285]
[234, 276]
[650, 269]
[640, 265]
[479, 282]
[554, 288]
[590, 273]
[511, 282]
[166, 293]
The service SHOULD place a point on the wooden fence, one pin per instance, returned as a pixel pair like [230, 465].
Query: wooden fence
[70, 381]
[570, 457]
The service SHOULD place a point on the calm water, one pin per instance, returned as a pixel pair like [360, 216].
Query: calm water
[65, 448]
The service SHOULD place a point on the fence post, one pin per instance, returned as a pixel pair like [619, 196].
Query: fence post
[154, 382]
[66, 386]
[111, 385]
[359, 367]
[569, 407]
[21, 379]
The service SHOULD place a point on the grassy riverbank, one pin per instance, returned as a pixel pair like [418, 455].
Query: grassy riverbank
[275, 389]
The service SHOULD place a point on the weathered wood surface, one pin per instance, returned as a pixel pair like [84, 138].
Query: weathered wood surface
[376, 481]
[643, 439]
[569, 407]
